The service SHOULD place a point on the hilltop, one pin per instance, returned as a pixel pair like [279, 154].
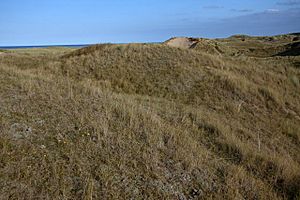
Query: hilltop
[280, 45]
[189, 118]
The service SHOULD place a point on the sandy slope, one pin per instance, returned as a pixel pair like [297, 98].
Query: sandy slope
[181, 42]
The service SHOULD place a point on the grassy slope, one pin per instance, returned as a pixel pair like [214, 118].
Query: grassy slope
[148, 121]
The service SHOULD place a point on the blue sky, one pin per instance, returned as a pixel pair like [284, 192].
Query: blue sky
[45, 22]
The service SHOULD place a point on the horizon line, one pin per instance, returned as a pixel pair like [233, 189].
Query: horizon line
[89, 44]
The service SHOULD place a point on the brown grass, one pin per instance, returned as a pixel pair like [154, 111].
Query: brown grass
[148, 121]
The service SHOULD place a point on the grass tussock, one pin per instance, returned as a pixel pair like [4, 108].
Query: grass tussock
[149, 121]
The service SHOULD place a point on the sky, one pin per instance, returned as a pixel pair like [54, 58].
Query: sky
[53, 22]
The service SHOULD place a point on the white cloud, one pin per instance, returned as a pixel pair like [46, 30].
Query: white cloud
[272, 10]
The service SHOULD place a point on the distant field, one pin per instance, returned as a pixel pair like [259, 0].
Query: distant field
[190, 118]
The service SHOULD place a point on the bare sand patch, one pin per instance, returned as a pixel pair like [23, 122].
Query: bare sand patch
[181, 42]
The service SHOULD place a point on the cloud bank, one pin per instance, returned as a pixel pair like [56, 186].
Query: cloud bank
[288, 3]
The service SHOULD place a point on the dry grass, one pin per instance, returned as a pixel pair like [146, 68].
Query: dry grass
[145, 121]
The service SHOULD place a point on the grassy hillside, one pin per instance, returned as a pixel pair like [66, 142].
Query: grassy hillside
[150, 121]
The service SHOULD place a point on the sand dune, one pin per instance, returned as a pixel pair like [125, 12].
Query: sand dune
[186, 119]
